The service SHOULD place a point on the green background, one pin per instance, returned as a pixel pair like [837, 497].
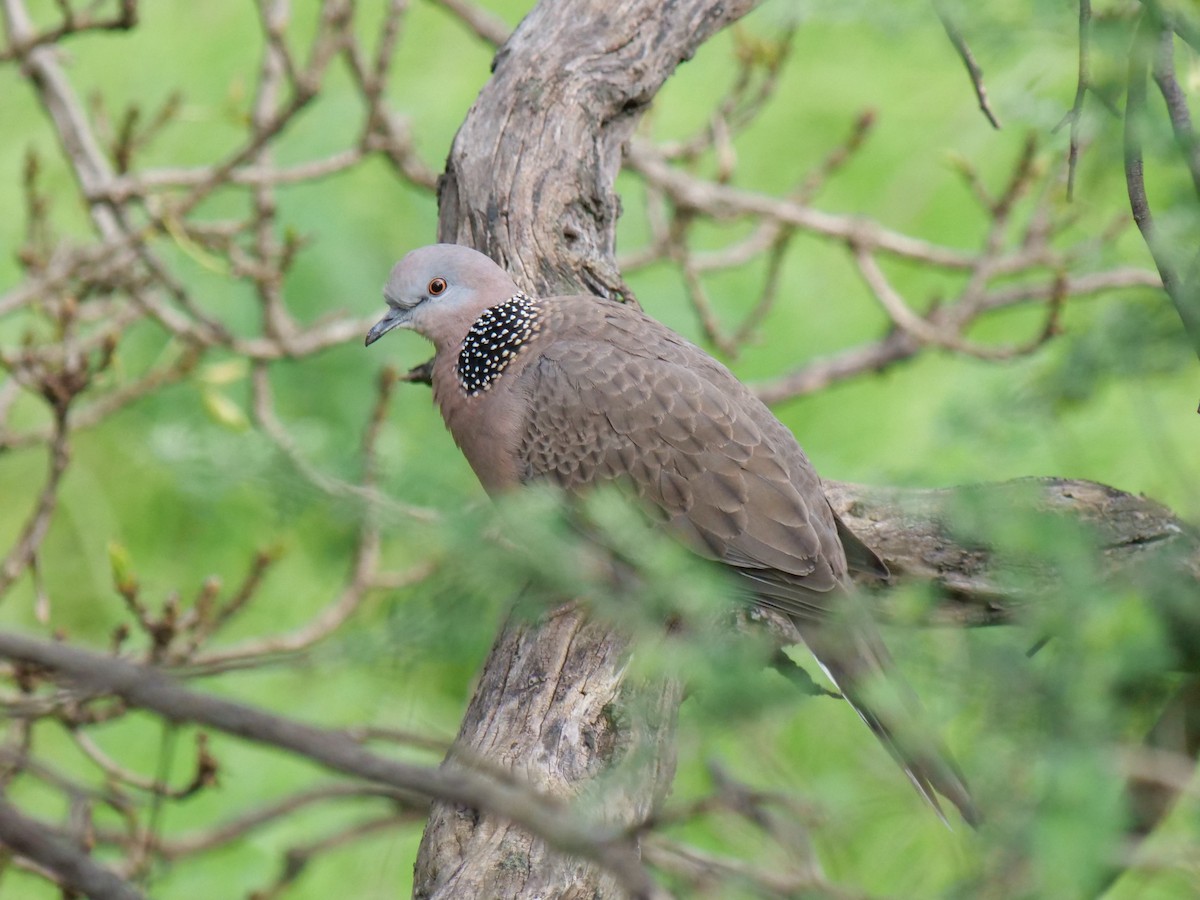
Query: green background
[190, 496]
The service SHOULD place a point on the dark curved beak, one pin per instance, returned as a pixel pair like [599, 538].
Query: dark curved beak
[397, 317]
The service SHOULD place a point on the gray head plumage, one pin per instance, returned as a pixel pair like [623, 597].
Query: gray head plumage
[439, 290]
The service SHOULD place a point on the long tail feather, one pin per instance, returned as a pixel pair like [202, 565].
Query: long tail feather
[860, 659]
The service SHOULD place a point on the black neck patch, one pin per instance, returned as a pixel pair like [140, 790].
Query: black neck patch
[495, 340]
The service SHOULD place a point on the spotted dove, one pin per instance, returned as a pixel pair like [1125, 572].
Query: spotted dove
[581, 390]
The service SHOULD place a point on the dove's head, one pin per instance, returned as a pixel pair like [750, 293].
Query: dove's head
[439, 291]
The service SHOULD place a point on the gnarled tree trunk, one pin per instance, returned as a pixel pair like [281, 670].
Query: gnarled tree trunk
[530, 181]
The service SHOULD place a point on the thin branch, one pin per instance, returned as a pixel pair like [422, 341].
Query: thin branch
[1135, 105]
[123, 19]
[935, 333]
[1178, 19]
[263, 408]
[894, 304]
[138, 184]
[1184, 296]
[740, 105]
[364, 733]
[297, 858]
[34, 530]
[709, 322]
[112, 769]
[820, 373]
[703, 869]
[1085, 285]
[723, 201]
[69, 865]
[898, 346]
[147, 688]
[237, 828]
[270, 270]
[968, 58]
[83, 152]
[1082, 82]
[770, 291]
[836, 158]
[91, 414]
[385, 51]
[363, 568]
[1177, 106]
[330, 37]
[485, 25]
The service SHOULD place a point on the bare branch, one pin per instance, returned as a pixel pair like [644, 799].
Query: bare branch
[79, 143]
[1177, 106]
[69, 865]
[705, 872]
[722, 201]
[148, 689]
[1183, 295]
[268, 814]
[898, 346]
[33, 532]
[479, 21]
[297, 858]
[968, 58]
[122, 19]
[1082, 82]
[363, 569]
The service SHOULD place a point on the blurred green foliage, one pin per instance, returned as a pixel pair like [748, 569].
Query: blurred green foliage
[188, 491]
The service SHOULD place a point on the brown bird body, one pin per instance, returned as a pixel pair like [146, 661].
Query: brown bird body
[580, 391]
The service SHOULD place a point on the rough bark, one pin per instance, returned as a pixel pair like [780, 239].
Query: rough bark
[920, 534]
[530, 181]
[552, 706]
[530, 178]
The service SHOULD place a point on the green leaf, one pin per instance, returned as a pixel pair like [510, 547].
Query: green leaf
[225, 411]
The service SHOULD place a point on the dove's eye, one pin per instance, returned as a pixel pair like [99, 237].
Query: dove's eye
[437, 286]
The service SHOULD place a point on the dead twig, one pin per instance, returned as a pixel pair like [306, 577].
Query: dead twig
[968, 58]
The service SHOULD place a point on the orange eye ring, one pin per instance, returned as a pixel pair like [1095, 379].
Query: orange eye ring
[437, 286]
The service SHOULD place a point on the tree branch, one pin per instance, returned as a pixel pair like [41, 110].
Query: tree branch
[914, 532]
[148, 689]
[954, 33]
[1183, 291]
[73, 868]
